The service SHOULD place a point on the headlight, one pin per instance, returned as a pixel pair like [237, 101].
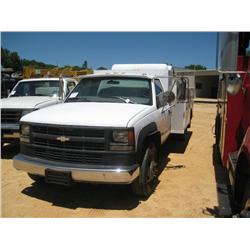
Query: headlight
[25, 130]
[122, 140]
[25, 133]
[120, 136]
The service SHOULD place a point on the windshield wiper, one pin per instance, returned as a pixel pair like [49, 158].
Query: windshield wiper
[124, 99]
[77, 99]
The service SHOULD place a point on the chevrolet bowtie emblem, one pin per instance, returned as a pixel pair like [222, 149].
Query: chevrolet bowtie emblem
[62, 138]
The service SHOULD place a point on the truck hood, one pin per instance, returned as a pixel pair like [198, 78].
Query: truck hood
[86, 114]
[25, 102]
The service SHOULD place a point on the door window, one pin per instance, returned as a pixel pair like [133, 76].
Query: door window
[70, 86]
[159, 93]
[158, 87]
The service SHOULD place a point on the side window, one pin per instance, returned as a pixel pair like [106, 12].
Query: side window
[70, 86]
[159, 93]
[181, 89]
[158, 87]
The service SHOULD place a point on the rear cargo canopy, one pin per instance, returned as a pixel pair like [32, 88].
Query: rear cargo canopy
[151, 69]
[162, 71]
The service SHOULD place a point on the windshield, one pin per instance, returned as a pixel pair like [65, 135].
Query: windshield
[112, 89]
[37, 88]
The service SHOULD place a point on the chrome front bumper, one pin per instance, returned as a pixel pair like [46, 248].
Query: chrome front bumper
[116, 175]
[10, 126]
[10, 131]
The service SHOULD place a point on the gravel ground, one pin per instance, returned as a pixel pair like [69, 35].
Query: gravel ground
[186, 187]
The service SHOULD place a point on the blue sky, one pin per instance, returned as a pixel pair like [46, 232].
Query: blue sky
[107, 48]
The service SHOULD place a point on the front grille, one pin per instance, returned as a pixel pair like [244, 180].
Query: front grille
[69, 131]
[10, 115]
[67, 156]
[68, 144]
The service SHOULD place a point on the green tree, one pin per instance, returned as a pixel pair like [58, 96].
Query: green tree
[195, 67]
[66, 66]
[85, 65]
[76, 68]
[10, 60]
[37, 64]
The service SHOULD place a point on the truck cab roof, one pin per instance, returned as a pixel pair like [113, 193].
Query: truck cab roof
[43, 79]
[117, 74]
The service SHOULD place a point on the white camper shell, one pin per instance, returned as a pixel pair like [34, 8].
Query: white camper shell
[163, 72]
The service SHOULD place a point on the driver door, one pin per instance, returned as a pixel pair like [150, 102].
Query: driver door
[163, 112]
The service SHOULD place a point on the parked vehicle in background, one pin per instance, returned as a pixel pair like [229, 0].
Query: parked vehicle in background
[7, 84]
[233, 115]
[108, 130]
[29, 95]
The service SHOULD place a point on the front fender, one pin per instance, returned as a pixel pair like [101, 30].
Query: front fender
[148, 130]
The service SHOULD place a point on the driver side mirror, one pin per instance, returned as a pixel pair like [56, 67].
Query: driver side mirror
[234, 83]
[165, 98]
[168, 97]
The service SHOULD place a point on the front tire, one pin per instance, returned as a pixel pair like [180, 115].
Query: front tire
[143, 186]
[246, 196]
[242, 184]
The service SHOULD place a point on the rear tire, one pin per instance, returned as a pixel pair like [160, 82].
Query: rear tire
[242, 184]
[35, 178]
[246, 195]
[143, 186]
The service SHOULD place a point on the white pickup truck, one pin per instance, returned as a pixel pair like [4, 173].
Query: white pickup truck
[29, 95]
[108, 130]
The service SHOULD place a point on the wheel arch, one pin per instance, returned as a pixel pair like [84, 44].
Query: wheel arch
[243, 161]
[242, 174]
[148, 134]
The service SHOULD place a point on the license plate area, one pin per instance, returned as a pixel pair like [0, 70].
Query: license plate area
[58, 177]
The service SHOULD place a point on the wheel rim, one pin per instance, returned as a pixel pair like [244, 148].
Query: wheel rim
[151, 173]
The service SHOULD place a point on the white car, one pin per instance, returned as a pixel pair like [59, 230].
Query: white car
[29, 95]
[108, 130]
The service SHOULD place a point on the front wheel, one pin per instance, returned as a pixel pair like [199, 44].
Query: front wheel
[143, 185]
[246, 196]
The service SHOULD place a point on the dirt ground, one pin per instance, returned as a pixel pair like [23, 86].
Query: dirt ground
[186, 187]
